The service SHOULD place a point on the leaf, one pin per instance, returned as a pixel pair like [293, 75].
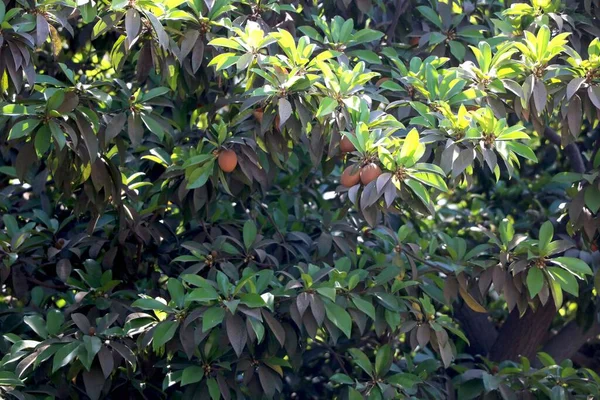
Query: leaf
[8, 378]
[65, 355]
[383, 360]
[566, 280]
[364, 306]
[134, 129]
[37, 324]
[285, 111]
[592, 198]
[16, 110]
[557, 294]
[191, 375]
[594, 95]
[94, 382]
[92, 345]
[545, 236]
[275, 327]
[163, 333]
[361, 360]
[22, 128]
[577, 267]
[153, 125]
[151, 304]
[326, 107]
[471, 302]
[204, 294]
[249, 233]
[540, 95]
[82, 322]
[339, 317]
[132, 25]
[55, 319]
[236, 332]
[457, 49]
[212, 317]
[535, 281]
[573, 87]
[176, 291]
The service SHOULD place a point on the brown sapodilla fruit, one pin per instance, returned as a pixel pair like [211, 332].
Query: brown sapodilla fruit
[258, 114]
[227, 160]
[346, 145]
[350, 179]
[369, 173]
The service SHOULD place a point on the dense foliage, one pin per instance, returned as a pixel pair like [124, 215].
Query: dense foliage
[241, 199]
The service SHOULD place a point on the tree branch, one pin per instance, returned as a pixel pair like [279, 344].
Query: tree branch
[567, 342]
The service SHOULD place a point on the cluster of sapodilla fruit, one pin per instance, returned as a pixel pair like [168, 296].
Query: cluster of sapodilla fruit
[351, 176]
[366, 174]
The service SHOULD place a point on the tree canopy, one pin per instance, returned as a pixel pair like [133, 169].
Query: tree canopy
[248, 199]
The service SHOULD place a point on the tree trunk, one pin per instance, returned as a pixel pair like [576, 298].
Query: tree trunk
[478, 328]
[523, 336]
[567, 342]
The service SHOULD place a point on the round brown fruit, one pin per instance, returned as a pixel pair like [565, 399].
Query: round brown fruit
[350, 179]
[227, 160]
[258, 114]
[346, 145]
[369, 173]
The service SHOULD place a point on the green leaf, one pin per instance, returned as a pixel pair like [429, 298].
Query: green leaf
[365, 36]
[404, 380]
[191, 375]
[341, 378]
[224, 61]
[574, 265]
[22, 128]
[212, 317]
[153, 125]
[339, 317]
[326, 107]
[567, 177]
[252, 300]
[431, 15]
[176, 291]
[249, 233]
[152, 93]
[383, 360]
[546, 235]
[419, 190]
[16, 110]
[37, 324]
[202, 295]
[151, 304]
[328, 292]
[361, 360]
[163, 333]
[411, 150]
[364, 306]
[92, 345]
[535, 281]
[54, 321]
[213, 389]
[8, 378]
[457, 49]
[65, 355]
[42, 140]
[592, 198]
[565, 279]
[557, 293]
